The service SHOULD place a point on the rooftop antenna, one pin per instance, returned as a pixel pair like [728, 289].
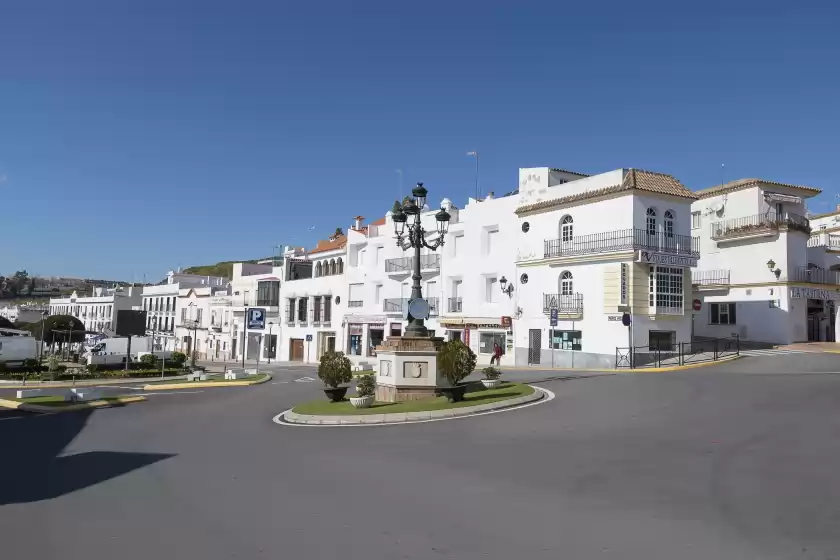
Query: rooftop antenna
[475, 155]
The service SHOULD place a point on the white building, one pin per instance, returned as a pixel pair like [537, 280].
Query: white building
[27, 313]
[252, 285]
[594, 248]
[313, 295]
[160, 302]
[755, 277]
[99, 311]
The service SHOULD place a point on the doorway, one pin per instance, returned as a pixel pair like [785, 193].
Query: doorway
[534, 345]
[296, 350]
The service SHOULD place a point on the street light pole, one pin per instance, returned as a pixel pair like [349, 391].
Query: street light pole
[244, 326]
[193, 314]
[416, 238]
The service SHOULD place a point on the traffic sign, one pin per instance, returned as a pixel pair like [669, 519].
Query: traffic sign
[553, 317]
[309, 338]
[256, 318]
[625, 319]
[697, 304]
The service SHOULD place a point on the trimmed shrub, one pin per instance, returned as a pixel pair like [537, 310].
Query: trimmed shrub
[455, 361]
[334, 369]
[366, 386]
[177, 359]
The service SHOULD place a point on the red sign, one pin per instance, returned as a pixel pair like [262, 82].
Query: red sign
[467, 336]
[506, 322]
[697, 305]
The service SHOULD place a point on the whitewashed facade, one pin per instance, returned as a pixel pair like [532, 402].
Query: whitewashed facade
[252, 285]
[595, 248]
[98, 312]
[762, 275]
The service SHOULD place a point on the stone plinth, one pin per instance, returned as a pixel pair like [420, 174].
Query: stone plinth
[407, 368]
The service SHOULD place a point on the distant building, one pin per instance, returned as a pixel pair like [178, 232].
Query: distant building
[98, 312]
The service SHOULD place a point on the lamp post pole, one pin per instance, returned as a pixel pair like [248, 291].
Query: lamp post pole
[194, 316]
[416, 238]
[270, 341]
[244, 326]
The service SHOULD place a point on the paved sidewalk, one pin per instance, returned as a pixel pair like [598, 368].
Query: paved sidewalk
[84, 383]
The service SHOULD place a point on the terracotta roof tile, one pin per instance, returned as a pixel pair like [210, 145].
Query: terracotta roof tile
[741, 184]
[379, 222]
[634, 179]
[569, 172]
[330, 244]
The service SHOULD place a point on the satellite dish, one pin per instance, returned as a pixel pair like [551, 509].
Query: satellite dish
[716, 207]
[418, 308]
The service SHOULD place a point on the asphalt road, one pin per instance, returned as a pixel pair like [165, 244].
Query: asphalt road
[739, 461]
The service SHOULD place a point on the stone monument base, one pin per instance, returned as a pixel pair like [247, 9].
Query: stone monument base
[407, 368]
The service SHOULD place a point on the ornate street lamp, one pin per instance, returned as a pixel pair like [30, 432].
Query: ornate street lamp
[418, 309]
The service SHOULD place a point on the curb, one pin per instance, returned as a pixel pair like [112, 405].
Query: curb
[199, 384]
[409, 417]
[71, 408]
[623, 370]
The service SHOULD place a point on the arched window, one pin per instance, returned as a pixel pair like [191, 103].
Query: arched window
[318, 270]
[332, 266]
[567, 287]
[340, 265]
[651, 221]
[566, 229]
[669, 223]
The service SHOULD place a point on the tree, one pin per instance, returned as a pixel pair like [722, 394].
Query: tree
[334, 369]
[57, 327]
[338, 232]
[18, 282]
[6, 324]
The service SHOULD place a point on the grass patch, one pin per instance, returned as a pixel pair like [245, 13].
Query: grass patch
[477, 395]
[59, 402]
[364, 372]
[214, 378]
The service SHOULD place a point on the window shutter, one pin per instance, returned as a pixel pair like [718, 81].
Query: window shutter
[732, 320]
[714, 310]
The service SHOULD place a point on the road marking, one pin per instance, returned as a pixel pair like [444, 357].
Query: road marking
[304, 380]
[17, 417]
[774, 351]
[279, 382]
[549, 396]
[156, 393]
[118, 387]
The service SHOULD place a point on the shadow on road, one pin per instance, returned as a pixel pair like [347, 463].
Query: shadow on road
[32, 470]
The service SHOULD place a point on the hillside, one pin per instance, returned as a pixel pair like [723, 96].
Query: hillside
[224, 268]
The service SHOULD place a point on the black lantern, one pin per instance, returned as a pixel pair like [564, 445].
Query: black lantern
[419, 192]
[399, 218]
[442, 218]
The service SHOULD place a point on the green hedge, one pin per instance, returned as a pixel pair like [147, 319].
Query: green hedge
[81, 374]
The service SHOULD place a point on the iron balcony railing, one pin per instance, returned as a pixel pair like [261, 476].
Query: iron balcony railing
[824, 240]
[406, 264]
[710, 277]
[355, 303]
[623, 240]
[757, 224]
[395, 305]
[563, 303]
[815, 276]
[456, 304]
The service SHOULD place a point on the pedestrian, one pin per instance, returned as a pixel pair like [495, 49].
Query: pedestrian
[497, 354]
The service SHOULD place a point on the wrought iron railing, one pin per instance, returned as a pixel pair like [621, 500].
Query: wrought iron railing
[455, 305]
[815, 276]
[758, 223]
[406, 264]
[563, 303]
[710, 277]
[824, 240]
[395, 305]
[355, 303]
[681, 353]
[623, 240]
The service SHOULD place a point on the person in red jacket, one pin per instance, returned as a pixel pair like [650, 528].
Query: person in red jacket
[497, 354]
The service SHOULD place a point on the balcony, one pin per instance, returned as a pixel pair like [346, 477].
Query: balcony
[710, 277]
[455, 305]
[355, 303]
[622, 240]
[565, 304]
[405, 265]
[395, 305]
[831, 242]
[759, 225]
[815, 276]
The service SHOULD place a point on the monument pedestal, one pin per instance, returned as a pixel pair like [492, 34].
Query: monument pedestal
[407, 368]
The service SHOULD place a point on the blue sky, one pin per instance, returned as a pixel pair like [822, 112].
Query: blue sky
[139, 136]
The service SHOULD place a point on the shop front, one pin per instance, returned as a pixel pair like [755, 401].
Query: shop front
[365, 333]
[482, 335]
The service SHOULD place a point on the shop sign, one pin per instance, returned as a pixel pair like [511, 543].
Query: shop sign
[624, 275]
[810, 293]
[652, 257]
[506, 322]
[355, 329]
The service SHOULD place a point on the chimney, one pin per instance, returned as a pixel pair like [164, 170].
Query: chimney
[490, 195]
[838, 208]
[357, 222]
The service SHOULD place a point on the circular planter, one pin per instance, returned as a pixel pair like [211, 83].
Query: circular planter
[335, 394]
[454, 394]
[362, 402]
[491, 383]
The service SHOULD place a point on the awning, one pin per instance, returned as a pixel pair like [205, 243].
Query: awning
[373, 319]
[778, 197]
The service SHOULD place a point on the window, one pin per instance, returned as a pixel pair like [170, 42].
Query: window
[290, 310]
[356, 296]
[339, 266]
[327, 309]
[669, 223]
[566, 229]
[492, 241]
[268, 293]
[695, 220]
[198, 318]
[332, 267]
[318, 271]
[565, 340]
[184, 315]
[380, 252]
[375, 337]
[566, 284]
[316, 309]
[492, 289]
[486, 340]
[722, 314]
[457, 242]
[666, 290]
[650, 221]
[302, 304]
[662, 340]
[779, 209]
[396, 329]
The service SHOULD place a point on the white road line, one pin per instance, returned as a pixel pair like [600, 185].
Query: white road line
[304, 380]
[279, 382]
[156, 393]
[118, 387]
[549, 395]
[16, 418]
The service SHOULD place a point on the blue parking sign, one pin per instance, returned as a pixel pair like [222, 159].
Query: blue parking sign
[256, 318]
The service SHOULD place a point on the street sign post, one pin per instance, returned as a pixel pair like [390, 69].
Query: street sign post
[553, 317]
[256, 318]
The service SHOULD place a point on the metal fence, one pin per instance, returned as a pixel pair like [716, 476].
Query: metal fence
[623, 240]
[679, 354]
[815, 275]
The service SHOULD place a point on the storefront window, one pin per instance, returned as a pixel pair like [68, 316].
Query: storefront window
[375, 337]
[488, 339]
[396, 329]
[354, 342]
[565, 340]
